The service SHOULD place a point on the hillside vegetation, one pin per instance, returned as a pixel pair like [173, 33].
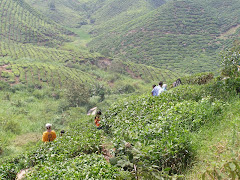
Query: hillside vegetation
[41, 61]
[141, 136]
[21, 23]
[102, 14]
[146, 137]
[178, 35]
[52, 71]
[185, 36]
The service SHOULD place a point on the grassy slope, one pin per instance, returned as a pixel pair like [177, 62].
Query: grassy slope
[217, 144]
[28, 62]
[185, 39]
[23, 114]
[181, 124]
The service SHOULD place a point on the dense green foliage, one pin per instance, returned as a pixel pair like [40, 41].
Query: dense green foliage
[159, 128]
[102, 14]
[202, 78]
[152, 134]
[21, 23]
[180, 34]
[231, 61]
[48, 74]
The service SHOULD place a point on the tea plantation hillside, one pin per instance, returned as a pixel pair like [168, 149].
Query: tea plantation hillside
[181, 35]
[25, 33]
[40, 74]
[22, 45]
[66, 12]
[225, 11]
[148, 32]
[21, 23]
[52, 71]
[142, 136]
[101, 14]
[115, 13]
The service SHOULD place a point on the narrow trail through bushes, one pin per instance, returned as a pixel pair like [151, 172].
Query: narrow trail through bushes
[22, 173]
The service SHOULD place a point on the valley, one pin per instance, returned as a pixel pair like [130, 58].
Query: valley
[60, 58]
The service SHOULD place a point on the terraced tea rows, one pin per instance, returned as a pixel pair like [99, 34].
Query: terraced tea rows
[149, 73]
[20, 23]
[18, 50]
[180, 34]
[39, 75]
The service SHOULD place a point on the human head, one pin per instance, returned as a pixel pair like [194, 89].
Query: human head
[62, 132]
[153, 86]
[48, 126]
[99, 113]
[160, 83]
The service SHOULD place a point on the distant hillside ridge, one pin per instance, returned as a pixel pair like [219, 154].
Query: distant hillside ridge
[25, 33]
[22, 24]
[117, 12]
[226, 12]
[101, 14]
[70, 13]
[178, 35]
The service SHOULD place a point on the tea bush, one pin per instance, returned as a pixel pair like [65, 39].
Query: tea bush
[86, 166]
[155, 132]
[150, 136]
[201, 78]
[74, 143]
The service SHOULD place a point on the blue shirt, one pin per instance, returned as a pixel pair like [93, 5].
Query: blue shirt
[156, 90]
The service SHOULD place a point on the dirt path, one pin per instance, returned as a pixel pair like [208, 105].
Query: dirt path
[106, 153]
[22, 174]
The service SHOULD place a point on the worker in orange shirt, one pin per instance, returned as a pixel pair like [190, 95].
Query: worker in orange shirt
[49, 135]
[97, 119]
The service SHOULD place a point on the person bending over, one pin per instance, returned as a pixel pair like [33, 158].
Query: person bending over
[97, 119]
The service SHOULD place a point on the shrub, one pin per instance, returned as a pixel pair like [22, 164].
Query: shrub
[231, 61]
[12, 126]
[77, 95]
[4, 85]
[201, 78]
[158, 129]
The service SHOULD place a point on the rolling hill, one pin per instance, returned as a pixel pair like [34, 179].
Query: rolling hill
[29, 38]
[181, 35]
[100, 14]
[21, 23]
[48, 74]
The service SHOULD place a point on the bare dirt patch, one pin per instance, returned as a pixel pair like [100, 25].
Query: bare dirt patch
[106, 151]
[132, 73]
[104, 62]
[231, 31]
[21, 174]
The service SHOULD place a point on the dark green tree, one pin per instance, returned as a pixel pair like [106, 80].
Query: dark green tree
[77, 95]
[52, 5]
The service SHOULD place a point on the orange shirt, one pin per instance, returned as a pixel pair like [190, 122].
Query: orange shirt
[97, 121]
[49, 136]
